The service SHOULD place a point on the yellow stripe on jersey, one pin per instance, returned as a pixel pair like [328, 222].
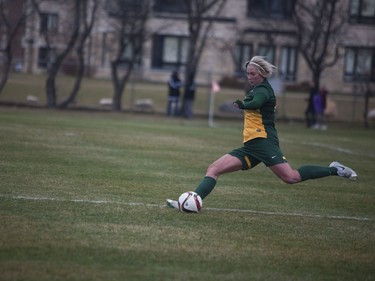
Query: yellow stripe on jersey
[253, 127]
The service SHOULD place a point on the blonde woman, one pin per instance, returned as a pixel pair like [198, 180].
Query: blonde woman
[260, 140]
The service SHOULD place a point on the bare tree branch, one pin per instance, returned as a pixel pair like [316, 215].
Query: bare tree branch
[200, 15]
[72, 36]
[129, 19]
[12, 25]
[88, 14]
[318, 29]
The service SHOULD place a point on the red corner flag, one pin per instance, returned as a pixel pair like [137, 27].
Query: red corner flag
[215, 87]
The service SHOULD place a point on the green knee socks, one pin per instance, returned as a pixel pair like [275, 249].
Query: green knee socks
[315, 172]
[205, 187]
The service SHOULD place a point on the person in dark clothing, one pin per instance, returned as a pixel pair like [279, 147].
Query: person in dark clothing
[320, 101]
[174, 85]
[188, 101]
[310, 110]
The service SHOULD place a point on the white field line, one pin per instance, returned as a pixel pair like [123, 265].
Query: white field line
[327, 146]
[207, 209]
[336, 148]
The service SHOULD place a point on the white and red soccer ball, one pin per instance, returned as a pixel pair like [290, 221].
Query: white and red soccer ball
[190, 202]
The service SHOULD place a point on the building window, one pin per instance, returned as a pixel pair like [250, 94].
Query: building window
[243, 53]
[275, 9]
[288, 63]
[362, 11]
[48, 22]
[128, 55]
[267, 51]
[45, 57]
[123, 7]
[359, 64]
[169, 52]
[170, 6]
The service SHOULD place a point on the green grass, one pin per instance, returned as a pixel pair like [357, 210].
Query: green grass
[20, 86]
[290, 105]
[82, 198]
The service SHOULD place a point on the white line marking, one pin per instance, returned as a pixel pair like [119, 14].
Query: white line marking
[336, 148]
[332, 147]
[292, 214]
[20, 197]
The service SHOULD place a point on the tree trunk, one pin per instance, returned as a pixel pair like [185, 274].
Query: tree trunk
[198, 33]
[10, 26]
[6, 68]
[119, 81]
[51, 88]
[117, 99]
[55, 67]
[316, 79]
[365, 113]
[80, 51]
[117, 91]
[77, 83]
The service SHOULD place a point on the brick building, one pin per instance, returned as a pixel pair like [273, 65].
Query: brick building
[243, 29]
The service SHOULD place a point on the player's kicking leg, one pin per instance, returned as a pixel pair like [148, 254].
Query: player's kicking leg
[344, 171]
[172, 204]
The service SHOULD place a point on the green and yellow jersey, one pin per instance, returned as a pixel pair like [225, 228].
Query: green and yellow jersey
[259, 113]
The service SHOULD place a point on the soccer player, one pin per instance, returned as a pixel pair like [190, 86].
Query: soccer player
[260, 140]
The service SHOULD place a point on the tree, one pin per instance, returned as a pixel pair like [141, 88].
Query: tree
[70, 35]
[319, 27]
[367, 88]
[13, 14]
[363, 84]
[200, 17]
[88, 13]
[128, 19]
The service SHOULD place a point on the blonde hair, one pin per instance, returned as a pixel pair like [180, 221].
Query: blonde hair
[265, 68]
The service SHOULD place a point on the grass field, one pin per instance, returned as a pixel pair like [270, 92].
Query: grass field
[82, 198]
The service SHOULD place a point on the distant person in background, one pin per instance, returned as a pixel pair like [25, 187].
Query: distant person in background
[174, 85]
[310, 110]
[320, 102]
[323, 95]
[188, 101]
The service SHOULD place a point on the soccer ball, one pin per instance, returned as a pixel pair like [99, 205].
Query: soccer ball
[190, 202]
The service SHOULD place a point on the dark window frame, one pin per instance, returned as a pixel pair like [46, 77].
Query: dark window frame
[126, 58]
[45, 18]
[125, 7]
[356, 15]
[291, 71]
[45, 56]
[158, 49]
[354, 75]
[273, 9]
[170, 6]
[241, 57]
[269, 47]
